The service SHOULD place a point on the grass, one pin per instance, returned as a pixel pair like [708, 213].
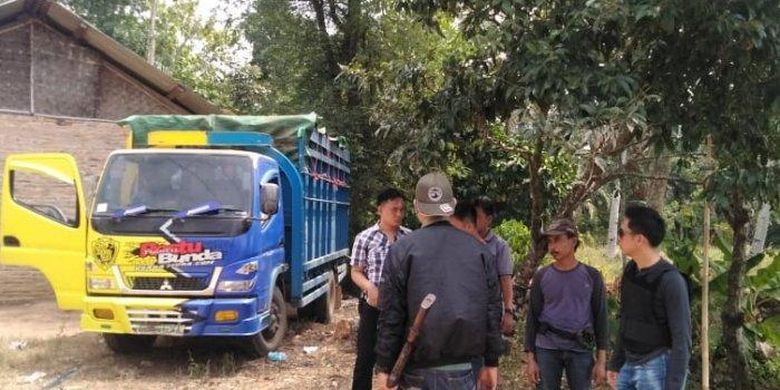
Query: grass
[225, 365]
[511, 365]
[596, 256]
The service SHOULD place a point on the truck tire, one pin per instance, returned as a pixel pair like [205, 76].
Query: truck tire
[127, 344]
[269, 339]
[325, 306]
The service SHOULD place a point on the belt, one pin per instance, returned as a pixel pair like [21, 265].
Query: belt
[453, 367]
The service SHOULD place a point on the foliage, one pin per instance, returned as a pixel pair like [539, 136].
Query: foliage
[123, 20]
[559, 86]
[197, 52]
[517, 236]
[299, 51]
[287, 59]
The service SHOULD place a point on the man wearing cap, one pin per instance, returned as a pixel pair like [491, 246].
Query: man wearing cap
[567, 317]
[464, 322]
[368, 254]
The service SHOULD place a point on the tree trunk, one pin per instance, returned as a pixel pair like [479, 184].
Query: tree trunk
[733, 317]
[332, 65]
[653, 191]
[151, 42]
[353, 30]
[539, 246]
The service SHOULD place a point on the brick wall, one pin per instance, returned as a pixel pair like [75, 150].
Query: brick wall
[89, 142]
[69, 78]
[120, 97]
[15, 68]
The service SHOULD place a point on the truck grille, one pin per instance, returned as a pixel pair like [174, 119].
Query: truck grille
[159, 322]
[201, 284]
[174, 283]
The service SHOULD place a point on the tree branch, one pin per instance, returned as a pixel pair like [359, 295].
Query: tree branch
[319, 12]
[333, 14]
[524, 153]
[655, 177]
[620, 148]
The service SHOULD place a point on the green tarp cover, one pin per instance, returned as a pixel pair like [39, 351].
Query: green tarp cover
[285, 129]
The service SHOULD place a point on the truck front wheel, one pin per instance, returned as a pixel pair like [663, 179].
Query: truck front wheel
[270, 338]
[128, 343]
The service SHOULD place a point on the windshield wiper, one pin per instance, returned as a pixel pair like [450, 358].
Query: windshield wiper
[139, 210]
[207, 208]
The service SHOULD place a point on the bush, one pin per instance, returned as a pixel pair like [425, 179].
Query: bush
[518, 236]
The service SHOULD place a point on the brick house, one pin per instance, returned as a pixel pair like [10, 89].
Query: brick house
[63, 83]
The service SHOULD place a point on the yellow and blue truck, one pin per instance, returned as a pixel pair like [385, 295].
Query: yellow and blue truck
[204, 226]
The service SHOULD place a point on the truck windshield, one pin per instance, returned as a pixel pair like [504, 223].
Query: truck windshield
[169, 182]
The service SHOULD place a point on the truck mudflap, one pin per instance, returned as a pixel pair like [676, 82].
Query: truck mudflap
[173, 316]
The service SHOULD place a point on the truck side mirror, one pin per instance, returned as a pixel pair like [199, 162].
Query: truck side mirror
[269, 193]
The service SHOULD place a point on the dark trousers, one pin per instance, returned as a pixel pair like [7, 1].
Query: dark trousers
[366, 342]
[552, 363]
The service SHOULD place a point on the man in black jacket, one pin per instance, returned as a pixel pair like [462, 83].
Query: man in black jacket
[654, 344]
[464, 322]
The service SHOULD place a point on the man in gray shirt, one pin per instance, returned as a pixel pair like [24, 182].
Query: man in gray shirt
[654, 344]
[485, 209]
[567, 317]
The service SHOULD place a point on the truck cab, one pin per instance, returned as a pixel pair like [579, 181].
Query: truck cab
[205, 232]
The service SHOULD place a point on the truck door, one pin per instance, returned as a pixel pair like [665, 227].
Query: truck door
[43, 222]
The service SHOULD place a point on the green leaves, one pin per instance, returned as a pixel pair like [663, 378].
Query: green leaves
[192, 49]
[649, 11]
[767, 279]
[517, 236]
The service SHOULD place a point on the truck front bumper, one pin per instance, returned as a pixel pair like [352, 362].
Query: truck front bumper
[173, 316]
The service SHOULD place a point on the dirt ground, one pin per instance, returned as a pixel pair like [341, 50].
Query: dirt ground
[42, 348]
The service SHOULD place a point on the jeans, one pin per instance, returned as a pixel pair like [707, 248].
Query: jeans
[476, 365]
[433, 379]
[552, 363]
[650, 375]
[366, 357]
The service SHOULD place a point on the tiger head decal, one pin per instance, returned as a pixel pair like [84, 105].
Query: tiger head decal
[105, 251]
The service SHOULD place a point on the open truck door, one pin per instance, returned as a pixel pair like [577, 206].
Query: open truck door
[43, 222]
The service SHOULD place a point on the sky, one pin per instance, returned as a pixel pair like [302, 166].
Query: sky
[207, 7]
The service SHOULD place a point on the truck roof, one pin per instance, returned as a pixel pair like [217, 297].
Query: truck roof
[252, 155]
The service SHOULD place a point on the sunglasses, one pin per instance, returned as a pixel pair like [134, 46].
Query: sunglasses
[622, 232]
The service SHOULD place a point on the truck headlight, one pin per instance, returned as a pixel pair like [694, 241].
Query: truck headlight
[235, 285]
[101, 283]
[248, 268]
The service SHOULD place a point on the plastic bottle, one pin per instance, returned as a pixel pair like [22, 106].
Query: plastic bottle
[276, 356]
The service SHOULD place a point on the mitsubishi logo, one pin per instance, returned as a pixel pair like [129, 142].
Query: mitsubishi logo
[166, 285]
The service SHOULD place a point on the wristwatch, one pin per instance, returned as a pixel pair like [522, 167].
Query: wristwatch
[509, 311]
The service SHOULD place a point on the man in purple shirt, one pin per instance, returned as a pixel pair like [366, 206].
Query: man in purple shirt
[567, 317]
